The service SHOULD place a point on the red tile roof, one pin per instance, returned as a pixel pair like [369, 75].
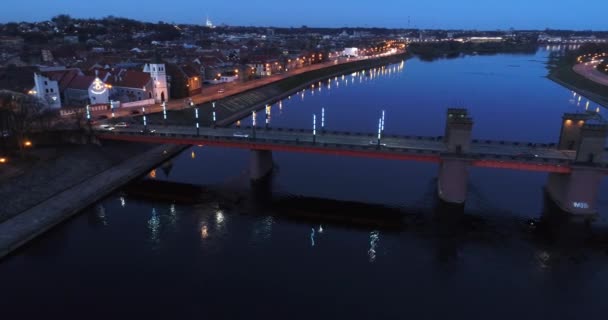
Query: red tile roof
[63, 77]
[130, 79]
[81, 82]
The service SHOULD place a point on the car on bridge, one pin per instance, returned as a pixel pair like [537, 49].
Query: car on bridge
[527, 155]
[106, 127]
[121, 125]
[375, 143]
[240, 134]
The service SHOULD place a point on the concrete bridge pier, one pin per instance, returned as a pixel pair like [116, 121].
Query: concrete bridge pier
[452, 181]
[453, 170]
[576, 192]
[261, 164]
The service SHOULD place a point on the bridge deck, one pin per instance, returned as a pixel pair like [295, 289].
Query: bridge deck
[486, 153]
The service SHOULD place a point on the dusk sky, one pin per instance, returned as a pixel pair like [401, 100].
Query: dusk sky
[468, 14]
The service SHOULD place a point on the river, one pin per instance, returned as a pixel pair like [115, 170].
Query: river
[286, 254]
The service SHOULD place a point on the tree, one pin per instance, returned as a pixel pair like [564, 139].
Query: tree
[22, 112]
[62, 21]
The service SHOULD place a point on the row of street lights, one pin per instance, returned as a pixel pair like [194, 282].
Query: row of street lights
[381, 120]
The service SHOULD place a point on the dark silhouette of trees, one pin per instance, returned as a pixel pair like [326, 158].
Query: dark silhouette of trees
[21, 112]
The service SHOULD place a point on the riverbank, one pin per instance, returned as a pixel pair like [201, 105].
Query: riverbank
[94, 183]
[240, 105]
[561, 71]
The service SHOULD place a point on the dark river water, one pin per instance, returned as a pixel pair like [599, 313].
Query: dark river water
[378, 246]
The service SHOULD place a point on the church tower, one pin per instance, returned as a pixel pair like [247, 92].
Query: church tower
[159, 77]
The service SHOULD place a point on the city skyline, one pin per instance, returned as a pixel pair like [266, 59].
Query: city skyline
[440, 14]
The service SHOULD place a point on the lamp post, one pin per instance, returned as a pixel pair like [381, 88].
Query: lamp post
[253, 115]
[112, 108]
[88, 114]
[314, 128]
[88, 111]
[143, 110]
[197, 123]
[165, 111]
[267, 119]
[214, 117]
[322, 120]
[379, 131]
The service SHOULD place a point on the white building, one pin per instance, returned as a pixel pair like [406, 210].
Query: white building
[47, 90]
[159, 77]
[83, 90]
[351, 52]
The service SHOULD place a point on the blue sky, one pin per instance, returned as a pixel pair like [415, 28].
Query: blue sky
[456, 14]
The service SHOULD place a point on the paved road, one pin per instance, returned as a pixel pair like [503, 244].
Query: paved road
[520, 151]
[589, 71]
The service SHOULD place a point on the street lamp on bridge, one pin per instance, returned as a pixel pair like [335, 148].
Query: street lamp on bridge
[253, 119]
[314, 128]
[165, 111]
[322, 120]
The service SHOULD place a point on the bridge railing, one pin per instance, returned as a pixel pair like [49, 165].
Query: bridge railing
[251, 142]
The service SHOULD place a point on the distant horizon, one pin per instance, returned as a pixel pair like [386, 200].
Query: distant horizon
[300, 26]
[489, 15]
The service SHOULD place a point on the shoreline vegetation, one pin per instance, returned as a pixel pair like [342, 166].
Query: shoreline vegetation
[429, 51]
[561, 71]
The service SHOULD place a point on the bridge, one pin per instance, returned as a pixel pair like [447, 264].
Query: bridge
[576, 163]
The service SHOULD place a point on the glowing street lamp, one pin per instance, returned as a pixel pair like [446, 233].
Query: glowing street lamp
[314, 128]
[197, 123]
[143, 110]
[267, 115]
[253, 120]
[165, 110]
[322, 119]
[214, 117]
[379, 131]
[112, 108]
[88, 110]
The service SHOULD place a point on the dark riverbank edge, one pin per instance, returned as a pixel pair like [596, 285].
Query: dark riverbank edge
[19, 230]
[35, 221]
[307, 79]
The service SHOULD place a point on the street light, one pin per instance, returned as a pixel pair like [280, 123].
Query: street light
[214, 117]
[88, 109]
[165, 111]
[112, 108]
[197, 123]
[322, 120]
[143, 110]
[253, 116]
[379, 131]
[267, 116]
[314, 128]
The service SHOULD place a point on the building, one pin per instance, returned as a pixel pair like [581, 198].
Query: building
[159, 78]
[87, 90]
[131, 85]
[47, 90]
[350, 52]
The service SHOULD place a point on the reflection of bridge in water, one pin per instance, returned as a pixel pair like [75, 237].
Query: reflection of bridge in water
[575, 164]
